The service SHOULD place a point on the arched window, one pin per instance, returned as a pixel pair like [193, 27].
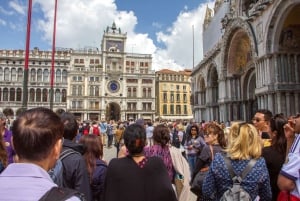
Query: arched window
[13, 74]
[64, 96]
[149, 92]
[0, 94]
[6, 74]
[20, 74]
[91, 91]
[39, 75]
[96, 91]
[32, 75]
[134, 92]
[19, 94]
[74, 90]
[45, 95]
[12, 94]
[46, 75]
[58, 76]
[57, 96]
[31, 95]
[5, 94]
[64, 76]
[79, 90]
[129, 92]
[38, 95]
[1, 74]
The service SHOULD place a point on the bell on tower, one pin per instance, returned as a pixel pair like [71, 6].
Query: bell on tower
[113, 27]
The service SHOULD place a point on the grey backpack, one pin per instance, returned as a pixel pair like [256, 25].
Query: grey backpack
[236, 192]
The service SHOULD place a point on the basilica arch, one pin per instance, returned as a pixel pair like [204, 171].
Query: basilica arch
[113, 111]
[212, 93]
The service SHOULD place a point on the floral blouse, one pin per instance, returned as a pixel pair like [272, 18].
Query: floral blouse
[164, 154]
[256, 183]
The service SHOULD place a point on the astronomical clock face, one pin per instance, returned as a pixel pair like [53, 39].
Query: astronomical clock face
[114, 44]
[113, 86]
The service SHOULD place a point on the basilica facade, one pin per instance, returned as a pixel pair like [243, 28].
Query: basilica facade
[251, 60]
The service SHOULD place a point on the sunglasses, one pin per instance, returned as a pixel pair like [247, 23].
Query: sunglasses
[257, 120]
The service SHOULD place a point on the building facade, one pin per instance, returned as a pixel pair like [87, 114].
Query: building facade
[251, 61]
[92, 84]
[173, 94]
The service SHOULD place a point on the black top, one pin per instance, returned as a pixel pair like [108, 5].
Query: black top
[274, 161]
[126, 180]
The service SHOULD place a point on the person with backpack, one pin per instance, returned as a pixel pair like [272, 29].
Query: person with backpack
[37, 140]
[75, 173]
[94, 130]
[241, 174]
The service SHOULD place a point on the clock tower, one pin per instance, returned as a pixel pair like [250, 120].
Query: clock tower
[113, 57]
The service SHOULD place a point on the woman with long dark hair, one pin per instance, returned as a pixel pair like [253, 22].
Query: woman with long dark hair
[275, 153]
[95, 165]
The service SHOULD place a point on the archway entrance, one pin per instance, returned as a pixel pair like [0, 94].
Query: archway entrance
[113, 112]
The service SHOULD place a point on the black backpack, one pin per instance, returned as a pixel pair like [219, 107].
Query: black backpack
[61, 194]
[236, 191]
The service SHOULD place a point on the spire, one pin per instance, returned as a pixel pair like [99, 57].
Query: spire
[113, 27]
[208, 16]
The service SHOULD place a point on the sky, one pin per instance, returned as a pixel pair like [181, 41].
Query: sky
[167, 29]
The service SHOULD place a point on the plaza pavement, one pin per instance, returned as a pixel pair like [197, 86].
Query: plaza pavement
[112, 153]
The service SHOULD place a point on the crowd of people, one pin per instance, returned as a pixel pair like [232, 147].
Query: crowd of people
[46, 156]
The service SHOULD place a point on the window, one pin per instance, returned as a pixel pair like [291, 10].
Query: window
[165, 97]
[185, 109]
[5, 94]
[20, 75]
[177, 97]
[171, 109]
[46, 75]
[96, 91]
[19, 94]
[45, 95]
[39, 75]
[58, 76]
[177, 87]
[164, 109]
[134, 92]
[184, 98]
[178, 109]
[64, 96]
[149, 92]
[12, 94]
[172, 97]
[132, 63]
[64, 76]
[13, 74]
[31, 95]
[38, 95]
[1, 74]
[184, 88]
[6, 74]
[57, 96]
[32, 75]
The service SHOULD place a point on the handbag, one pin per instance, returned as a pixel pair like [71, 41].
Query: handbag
[178, 182]
[286, 196]
[196, 186]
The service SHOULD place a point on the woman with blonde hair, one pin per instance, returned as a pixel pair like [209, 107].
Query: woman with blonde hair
[244, 144]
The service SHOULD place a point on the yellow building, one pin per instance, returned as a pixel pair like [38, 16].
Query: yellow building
[173, 92]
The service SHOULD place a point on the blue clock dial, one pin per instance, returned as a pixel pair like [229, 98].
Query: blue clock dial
[113, 86]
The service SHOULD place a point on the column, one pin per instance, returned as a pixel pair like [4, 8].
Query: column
[296, 103]
[270, 102]
[288, 103]
[278, 97]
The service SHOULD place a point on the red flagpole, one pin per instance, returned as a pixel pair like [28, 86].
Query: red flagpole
[25, 80]
[53, 58]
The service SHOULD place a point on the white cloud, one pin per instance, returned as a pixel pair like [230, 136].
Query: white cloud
[179, 41]
[5, 12]
[18, 7]
[2, 22]
[81, 23]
